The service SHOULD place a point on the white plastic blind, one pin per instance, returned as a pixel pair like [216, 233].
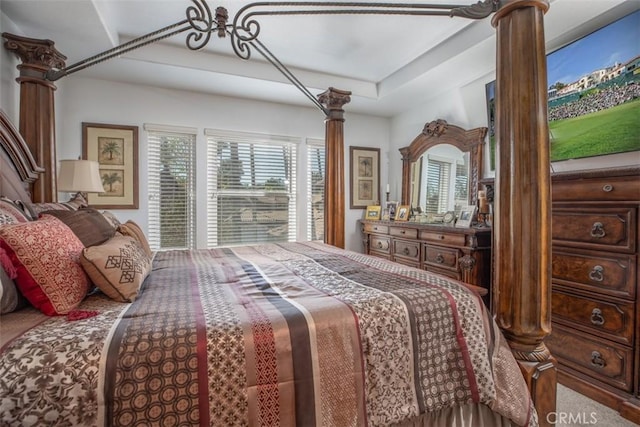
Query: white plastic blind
[462, 185]
[315, 189]
[437, 186]
[171, 164]
[251, 186]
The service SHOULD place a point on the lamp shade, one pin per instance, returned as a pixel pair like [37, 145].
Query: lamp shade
[79, 176]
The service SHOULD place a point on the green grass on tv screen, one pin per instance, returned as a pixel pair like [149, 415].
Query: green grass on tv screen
[613, 130]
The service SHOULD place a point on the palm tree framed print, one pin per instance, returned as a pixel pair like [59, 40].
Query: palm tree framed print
[115, 148]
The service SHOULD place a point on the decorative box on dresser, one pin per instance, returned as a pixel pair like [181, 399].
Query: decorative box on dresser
[460, 253]
[595, 291]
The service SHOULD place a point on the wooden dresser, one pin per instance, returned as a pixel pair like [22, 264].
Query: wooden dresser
[461, 253]
[595, 291]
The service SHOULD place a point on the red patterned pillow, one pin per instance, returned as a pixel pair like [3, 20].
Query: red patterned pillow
[45, 254]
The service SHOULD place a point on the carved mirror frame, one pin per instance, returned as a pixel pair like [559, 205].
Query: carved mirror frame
[440, 132]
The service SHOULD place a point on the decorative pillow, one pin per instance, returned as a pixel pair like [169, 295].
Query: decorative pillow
[10, 213]
[45, 254]
[87, 224]
[35, 209]
[118, 267]
[10, 299]
[112, 219]
[130, 228]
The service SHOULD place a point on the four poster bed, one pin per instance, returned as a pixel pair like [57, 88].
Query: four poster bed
[300, 333]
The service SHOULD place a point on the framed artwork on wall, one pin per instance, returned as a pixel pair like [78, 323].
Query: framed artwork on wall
[365, 177]
[115, 148]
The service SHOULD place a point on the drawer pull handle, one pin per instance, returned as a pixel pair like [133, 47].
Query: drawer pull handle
[597, 360]
[596, 317]
[406, 251]
[380, 244]
[403, 232]
[597, 230]
[441, 237]
[597, 274]
[607, 188]
[439, 259]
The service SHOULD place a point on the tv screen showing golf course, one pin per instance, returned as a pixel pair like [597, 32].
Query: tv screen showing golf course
[593, 93]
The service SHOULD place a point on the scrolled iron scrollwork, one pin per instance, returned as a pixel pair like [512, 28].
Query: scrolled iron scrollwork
[204, 23]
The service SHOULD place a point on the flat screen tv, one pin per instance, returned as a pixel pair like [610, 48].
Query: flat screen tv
[593, 93]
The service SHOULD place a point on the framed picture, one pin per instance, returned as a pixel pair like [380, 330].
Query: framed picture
[365, 177]
[115, 148]
[466, 216]
[393, 208]
[385, 215]
[402, 214]
[373, 212]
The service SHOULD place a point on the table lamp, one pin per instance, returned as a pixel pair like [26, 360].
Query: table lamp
[79, 176]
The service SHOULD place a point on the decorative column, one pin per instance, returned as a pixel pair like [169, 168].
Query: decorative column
[522, 234]
[37, 115]
[334, 207]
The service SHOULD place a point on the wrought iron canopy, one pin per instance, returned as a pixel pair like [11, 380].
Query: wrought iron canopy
[244, 29]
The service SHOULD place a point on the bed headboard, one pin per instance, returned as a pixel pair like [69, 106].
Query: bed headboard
[18, 168]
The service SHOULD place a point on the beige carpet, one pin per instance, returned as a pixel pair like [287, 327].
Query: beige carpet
[576, 410]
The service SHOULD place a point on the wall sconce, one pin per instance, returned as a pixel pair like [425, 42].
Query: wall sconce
[80, 177]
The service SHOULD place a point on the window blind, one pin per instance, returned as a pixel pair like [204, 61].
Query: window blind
[462, 185]
[437, 186]
[171, 182]
[315, 189]
[251, 183]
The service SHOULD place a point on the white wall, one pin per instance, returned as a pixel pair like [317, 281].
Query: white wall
[82, 99]
[9, 89]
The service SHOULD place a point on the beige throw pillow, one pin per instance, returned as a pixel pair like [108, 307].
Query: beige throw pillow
[118, 267]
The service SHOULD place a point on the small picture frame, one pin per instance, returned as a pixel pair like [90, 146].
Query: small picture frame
[373, 212]
[466, 216]
[393, 208]
[403, 213]
[385, 215]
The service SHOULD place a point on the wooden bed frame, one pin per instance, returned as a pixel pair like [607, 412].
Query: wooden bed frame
[522, 269]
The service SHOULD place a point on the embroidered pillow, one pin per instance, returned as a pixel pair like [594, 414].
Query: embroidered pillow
[132, 229]
[45, 254]
[87, 224]
[117, 267]
[10, 213]
[111, 219]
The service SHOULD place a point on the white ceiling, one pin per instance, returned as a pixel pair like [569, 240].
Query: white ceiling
[390, 63]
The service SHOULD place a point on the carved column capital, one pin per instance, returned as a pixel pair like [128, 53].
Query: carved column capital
[38, 56]
[334, 99]
[508, 6]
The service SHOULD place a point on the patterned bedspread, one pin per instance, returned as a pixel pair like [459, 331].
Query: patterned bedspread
[291, 334]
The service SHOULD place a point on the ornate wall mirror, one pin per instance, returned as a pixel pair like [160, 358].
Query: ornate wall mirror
[442, 166]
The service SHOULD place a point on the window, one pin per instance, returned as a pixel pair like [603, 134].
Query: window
[437, 186]
[171, 182]
[251, 183]
[315, 189]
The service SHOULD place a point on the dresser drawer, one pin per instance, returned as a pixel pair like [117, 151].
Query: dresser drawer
[612, 320]
[406, 249]
[595, 228]
[608, 274]
[376, 228]
[443, 238]
[441, 257]
[408, 233]
[380, 243]
[619, 188]
[606, 361]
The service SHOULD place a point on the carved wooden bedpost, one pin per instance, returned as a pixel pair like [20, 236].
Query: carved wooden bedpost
[334, 208]
[522, 238]
[37, 117]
